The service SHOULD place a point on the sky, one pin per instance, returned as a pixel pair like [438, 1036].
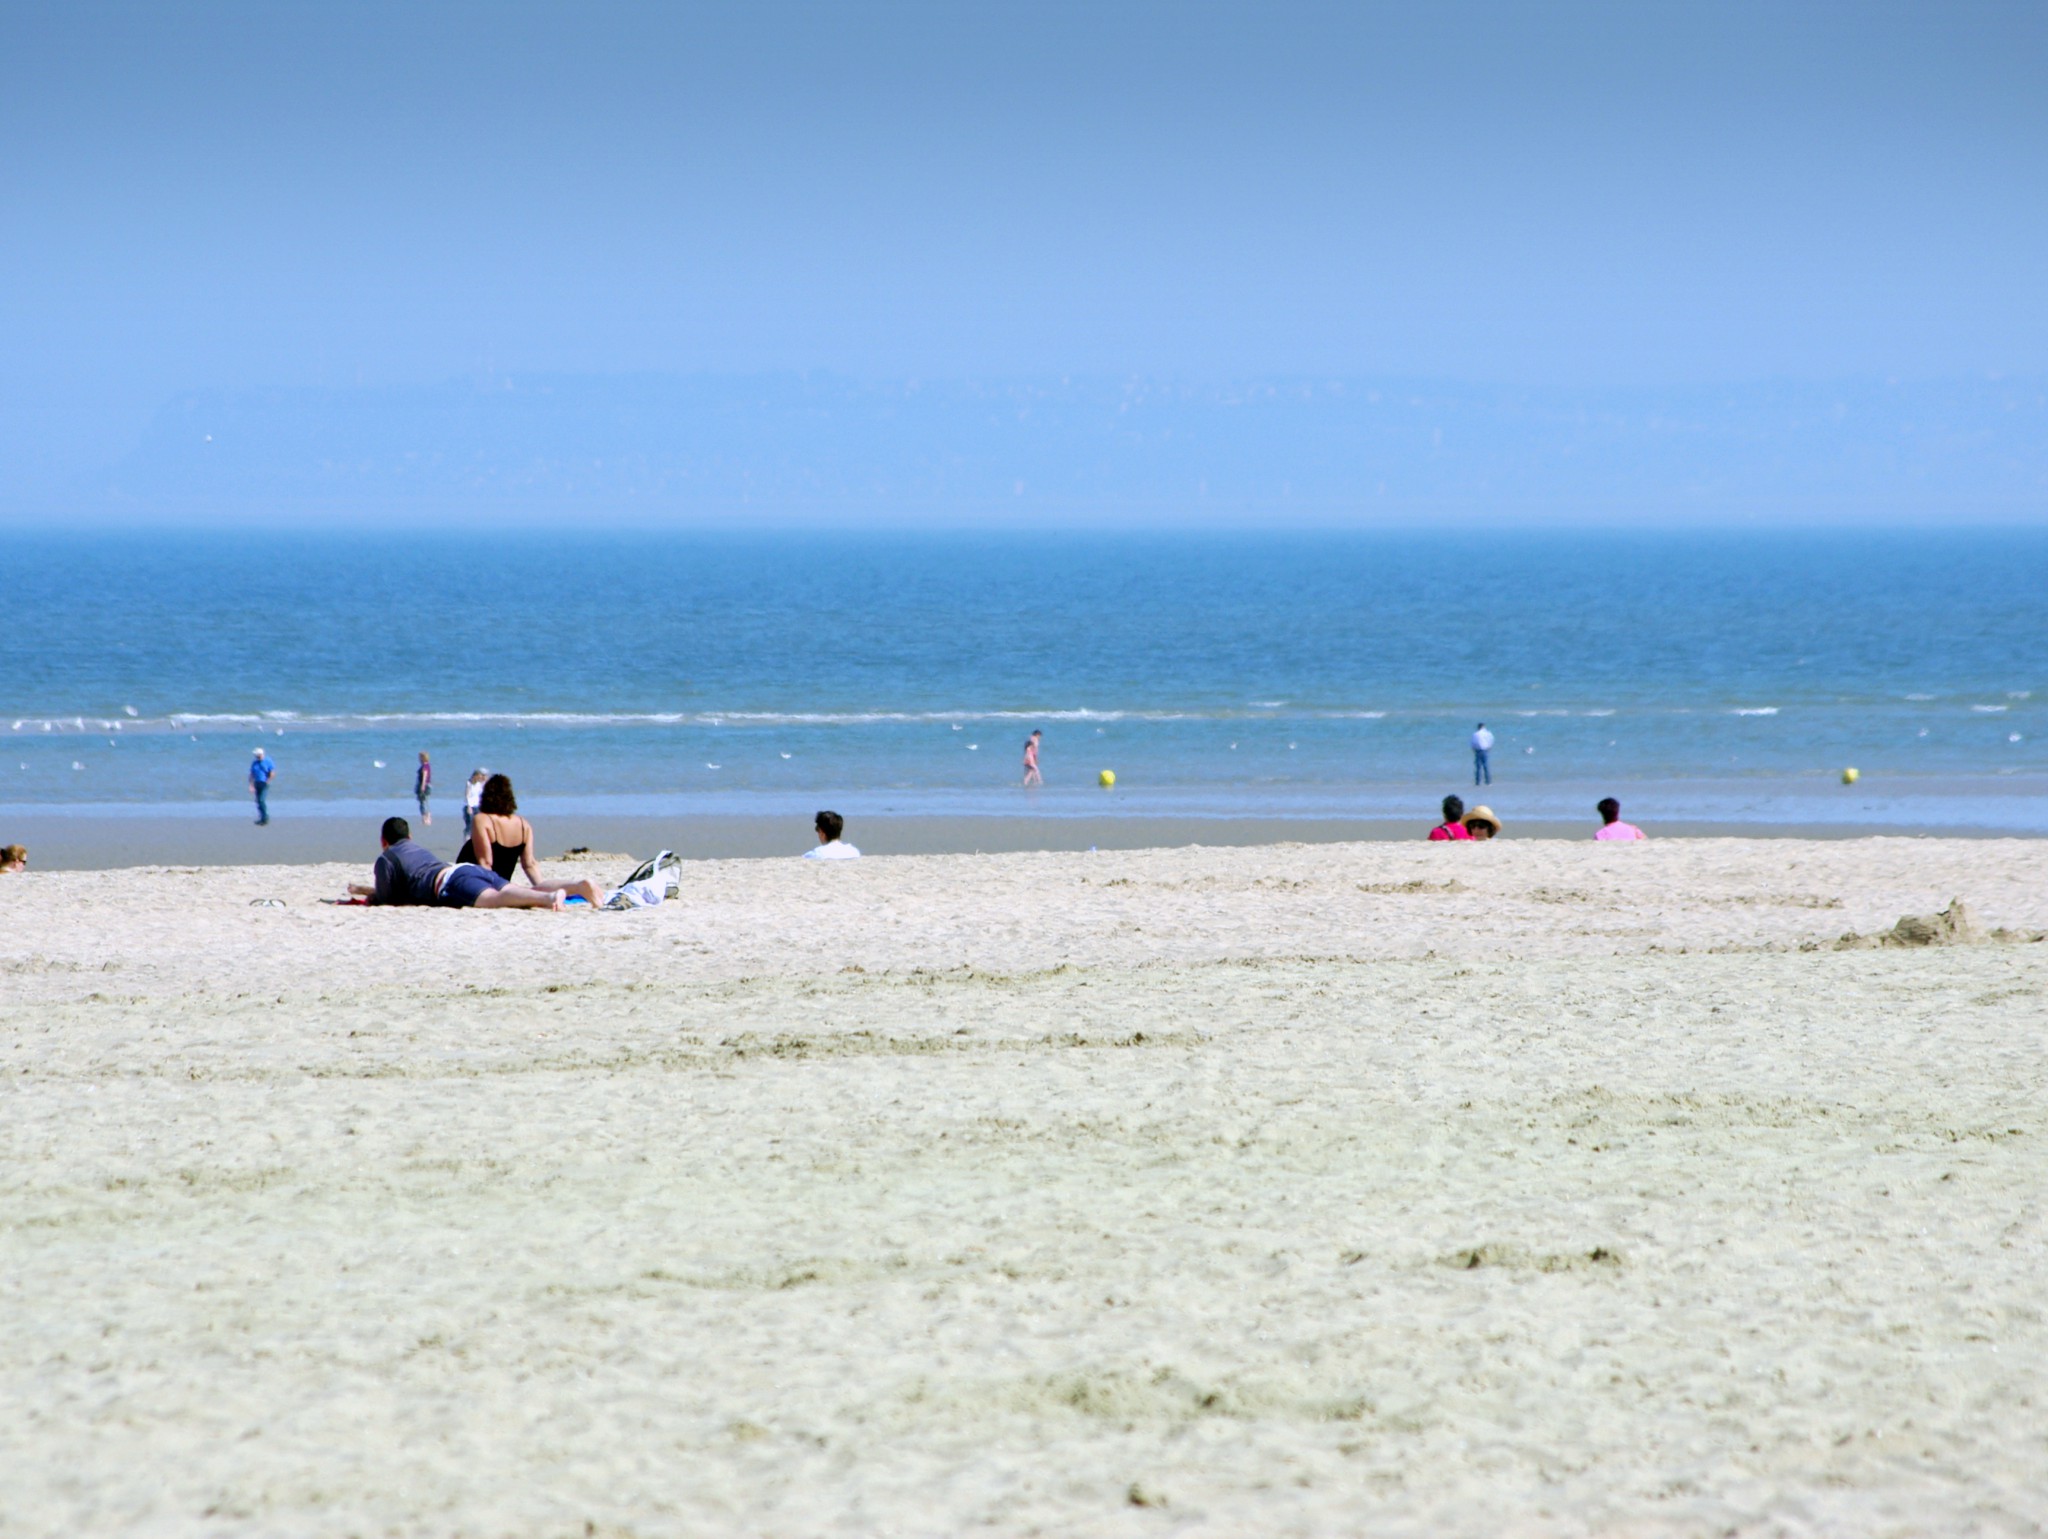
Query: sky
[235, 199]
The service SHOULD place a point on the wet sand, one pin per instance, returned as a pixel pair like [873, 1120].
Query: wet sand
[75, 842]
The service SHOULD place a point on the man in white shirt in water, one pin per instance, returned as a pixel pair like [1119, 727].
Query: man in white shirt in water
[830, 825]
[1482, 745]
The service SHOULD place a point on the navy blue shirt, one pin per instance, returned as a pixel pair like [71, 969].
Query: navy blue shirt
[405, 873]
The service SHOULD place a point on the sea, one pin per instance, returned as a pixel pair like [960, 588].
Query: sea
[1706, 678]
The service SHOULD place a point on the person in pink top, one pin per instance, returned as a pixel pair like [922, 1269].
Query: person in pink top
[1611, 826]
[1031, 775]
[1453, 825]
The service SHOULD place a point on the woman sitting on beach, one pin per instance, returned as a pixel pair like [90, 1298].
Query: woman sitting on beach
[1481, 824]
[12, 858]
[502, 840]
[1453, 825]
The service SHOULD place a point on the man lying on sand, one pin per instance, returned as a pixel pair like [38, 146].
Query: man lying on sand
[409, 873]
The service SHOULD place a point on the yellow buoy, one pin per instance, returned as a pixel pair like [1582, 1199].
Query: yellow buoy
[1851, 776]
[1106, 779]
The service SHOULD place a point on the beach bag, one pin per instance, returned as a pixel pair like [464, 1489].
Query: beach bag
[651, 883]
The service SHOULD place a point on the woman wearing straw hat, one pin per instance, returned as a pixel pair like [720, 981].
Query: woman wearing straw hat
[1481, 823]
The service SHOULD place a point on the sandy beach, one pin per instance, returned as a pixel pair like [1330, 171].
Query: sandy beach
[1530, 1188]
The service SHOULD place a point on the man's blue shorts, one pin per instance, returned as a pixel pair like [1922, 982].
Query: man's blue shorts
[466, 883]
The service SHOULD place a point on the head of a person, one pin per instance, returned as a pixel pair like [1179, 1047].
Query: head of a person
[423, 756]
[1479, 726]
[1036, 733]
[394, 831]
[476, 776]
[12, 857]
[259, 750]
[498, 798]
[830, 825]
[1609, 810]
[1454, 808]
[1481, 823]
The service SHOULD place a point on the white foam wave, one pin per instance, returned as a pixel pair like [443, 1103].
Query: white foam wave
[1754, 710]
[1988, 710]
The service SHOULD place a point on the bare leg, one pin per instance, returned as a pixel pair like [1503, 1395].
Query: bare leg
[518, 897]
[577, 887]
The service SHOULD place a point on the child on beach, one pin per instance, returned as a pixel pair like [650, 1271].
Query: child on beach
[1453, 825]
[1031, 775]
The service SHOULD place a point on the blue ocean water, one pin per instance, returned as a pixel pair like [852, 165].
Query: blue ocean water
[1720, 676]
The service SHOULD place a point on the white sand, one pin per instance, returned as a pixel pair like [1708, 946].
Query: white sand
[1124, 1193]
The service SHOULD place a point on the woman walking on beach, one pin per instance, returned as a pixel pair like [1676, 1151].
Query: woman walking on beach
[423, 788]
[1031, 775]
[502, 840]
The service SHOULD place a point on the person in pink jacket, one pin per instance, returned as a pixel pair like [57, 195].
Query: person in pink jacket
[1453, 825]
[1611, 826]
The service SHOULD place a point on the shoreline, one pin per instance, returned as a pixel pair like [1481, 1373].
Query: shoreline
[99, 842]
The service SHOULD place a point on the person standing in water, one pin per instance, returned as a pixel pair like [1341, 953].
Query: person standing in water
[1031, 775]
[472, 798]
[261, 768]
[1482, 745]
[423, 788]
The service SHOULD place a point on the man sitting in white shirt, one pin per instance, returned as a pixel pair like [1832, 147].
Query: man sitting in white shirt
[830, 826]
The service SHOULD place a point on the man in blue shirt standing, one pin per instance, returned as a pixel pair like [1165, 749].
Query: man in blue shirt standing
[261, 768]
[1482, 745]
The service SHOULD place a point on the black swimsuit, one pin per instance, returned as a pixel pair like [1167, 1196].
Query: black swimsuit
[504, 857]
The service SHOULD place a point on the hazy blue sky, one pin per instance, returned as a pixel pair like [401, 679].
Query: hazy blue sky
[235, 197]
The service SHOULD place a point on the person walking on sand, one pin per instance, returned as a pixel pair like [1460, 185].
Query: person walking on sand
[1611, 826]
[423, 788]
[1453, 825]
[261, 769]
[1031, 775]
[1482, 745]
